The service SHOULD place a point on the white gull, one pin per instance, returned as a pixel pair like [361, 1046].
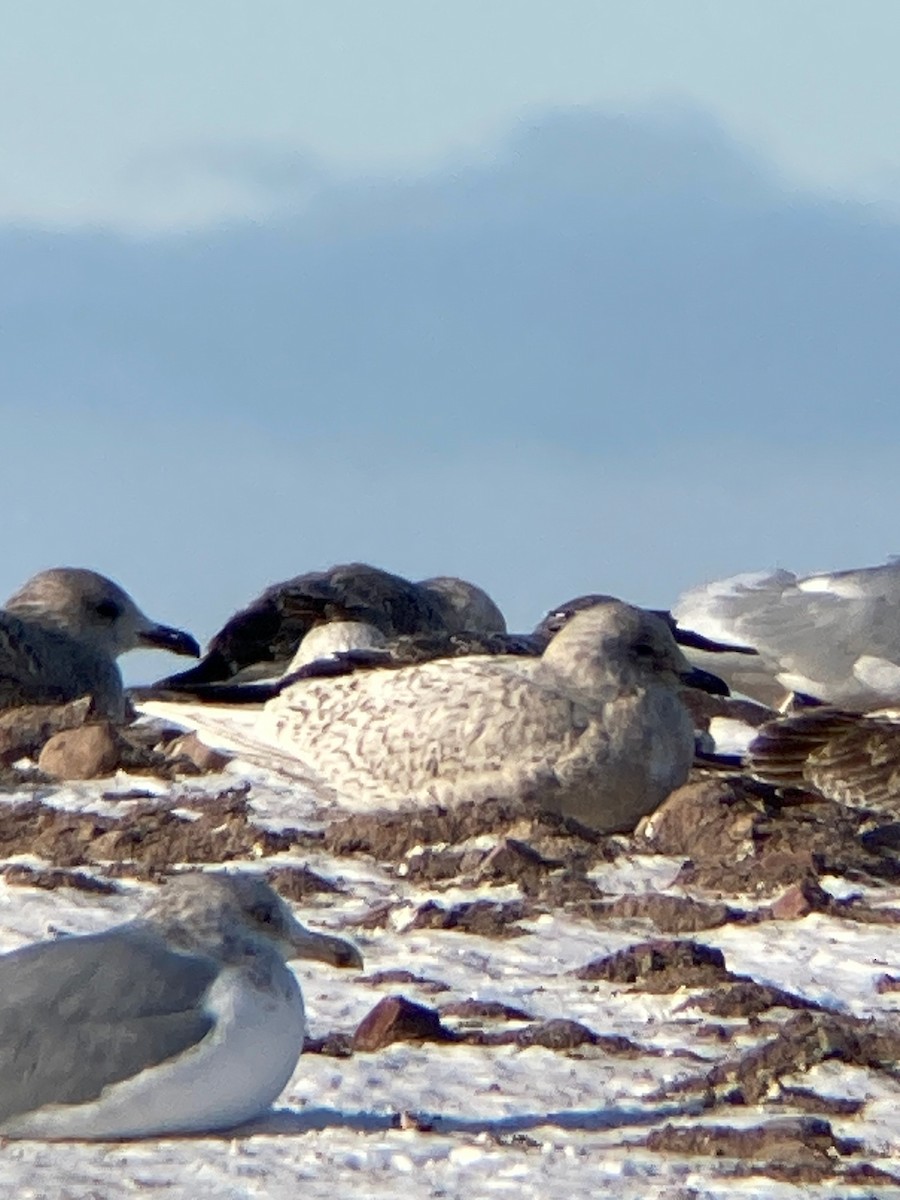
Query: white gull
[186, 1020]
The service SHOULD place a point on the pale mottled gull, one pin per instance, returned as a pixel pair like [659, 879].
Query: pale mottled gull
[60, 636]
[185, 1021]
[834, 637]
[261, 639]
[594, 729]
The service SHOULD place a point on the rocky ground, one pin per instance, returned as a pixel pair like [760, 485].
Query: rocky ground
[705, 1008]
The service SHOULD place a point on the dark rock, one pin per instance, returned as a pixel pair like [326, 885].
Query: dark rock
[396, 1019]
[398, 975]
[740, 837]
[711, 819]
[389, 837]
[298, 883]
[788, 1140]
[25, 729]
[48, 879]
[332, 1045]
[486, 918]
[809, 1101]
[491, 1010]
[671, 914]
[660, 966]
[802, 1042]
[151, 838]
[746, 998]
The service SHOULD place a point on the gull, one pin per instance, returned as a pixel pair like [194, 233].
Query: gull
[261, 639]
[849, 757]
[60, 636]
[833, 637]
[187, 1020]
[593, 729]
[341, 647]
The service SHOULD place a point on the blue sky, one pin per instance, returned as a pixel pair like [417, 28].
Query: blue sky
[568, 297]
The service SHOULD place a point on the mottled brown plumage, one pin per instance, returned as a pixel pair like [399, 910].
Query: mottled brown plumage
[594, 728]
[847, 757]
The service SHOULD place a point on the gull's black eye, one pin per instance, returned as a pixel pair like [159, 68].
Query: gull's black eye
[644, 650]
[108, 610]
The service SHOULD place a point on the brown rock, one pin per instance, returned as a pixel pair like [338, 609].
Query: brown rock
[671, 914]
[802, 1042]
[396, 1019]
[700, 820]
[799, 900]
[660, 966]
[399, 975]
[298, 883]
[48, 879]
[746, 998]
[332, 1045]
[84, 753]
[203, 757]
[790, 1139]
[487, 918]
[390, 836]
[24, 730]
[491, 1010]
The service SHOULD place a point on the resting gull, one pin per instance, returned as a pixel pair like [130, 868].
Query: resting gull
[61, 633]
[261, 639]
[849, 757]
[341, 647]
[594, 729]
[833, 637]
[186, 1020]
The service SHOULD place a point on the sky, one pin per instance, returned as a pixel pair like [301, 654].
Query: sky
[566, 297]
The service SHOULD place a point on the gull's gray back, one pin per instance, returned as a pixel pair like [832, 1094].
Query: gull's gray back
[812, 632]
[79, 1014]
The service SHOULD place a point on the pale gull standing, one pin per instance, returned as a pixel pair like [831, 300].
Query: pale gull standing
[261, 639]
[60, 636]
[594, 729]
[834, 637]
[186, 1020]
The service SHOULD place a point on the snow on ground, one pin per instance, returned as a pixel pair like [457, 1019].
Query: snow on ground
[463, 1120]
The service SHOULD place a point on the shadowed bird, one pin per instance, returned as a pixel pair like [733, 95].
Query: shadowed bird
[261, 640]
[186, 1020]
[594, 728]
[60, 636]
[833, 637]
[342, 647]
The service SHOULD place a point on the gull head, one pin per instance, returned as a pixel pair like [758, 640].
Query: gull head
[95, 611]
[208, 911]
[613, 644]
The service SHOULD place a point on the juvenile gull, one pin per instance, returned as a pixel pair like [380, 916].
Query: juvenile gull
[594, 729]
[186, 1020]
[849, 757]
[261, 639]
[833, 637]
[60, 636]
